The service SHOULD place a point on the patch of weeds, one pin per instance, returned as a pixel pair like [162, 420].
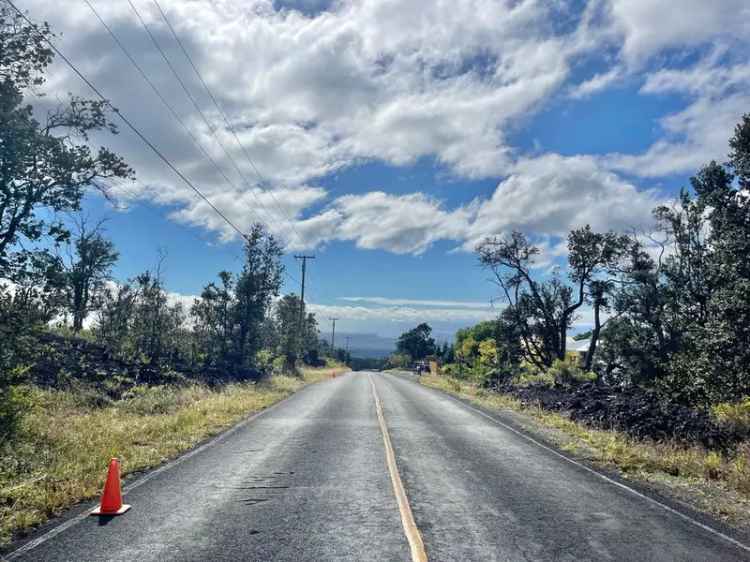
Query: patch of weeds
[735, 416]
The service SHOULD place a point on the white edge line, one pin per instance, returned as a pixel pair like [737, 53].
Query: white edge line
[140, 481]
[636, 493]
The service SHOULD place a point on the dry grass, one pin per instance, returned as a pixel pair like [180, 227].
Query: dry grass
[62, 452]
[709, 480]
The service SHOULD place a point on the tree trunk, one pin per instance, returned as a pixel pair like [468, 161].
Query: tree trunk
[589, 360]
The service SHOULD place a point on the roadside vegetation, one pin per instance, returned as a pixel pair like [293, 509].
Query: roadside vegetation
[93, 367]
[65, 441]
[659, 384]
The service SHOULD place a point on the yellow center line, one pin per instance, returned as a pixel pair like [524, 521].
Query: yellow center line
[411, 531]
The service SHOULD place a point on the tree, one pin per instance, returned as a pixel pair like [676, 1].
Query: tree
[286, 313]
[593, 260]
[398, 361]
[684, 313]
[213, 315]
[88, 266]
[257, 284]
[42, 165]
[543, 311]
[112, 325]
[311, 341]
[417, 342]
[155, 326]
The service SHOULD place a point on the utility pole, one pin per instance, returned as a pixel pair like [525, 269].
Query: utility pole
[300, 329]
[333, 336]
[348, 339]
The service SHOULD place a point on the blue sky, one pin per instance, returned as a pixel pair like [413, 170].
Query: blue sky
[391, 137]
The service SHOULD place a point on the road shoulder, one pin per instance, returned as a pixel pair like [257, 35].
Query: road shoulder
[691, 498]
[79, 506]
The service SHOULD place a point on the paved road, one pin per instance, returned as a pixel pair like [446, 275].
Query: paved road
[308, 481]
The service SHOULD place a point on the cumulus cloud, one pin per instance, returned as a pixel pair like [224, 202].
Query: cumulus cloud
[549, 195]
[698, 133]
[314, 86]
[312, 90]
[402, 224]
[546, 197]
[651, 26]
[393, 81]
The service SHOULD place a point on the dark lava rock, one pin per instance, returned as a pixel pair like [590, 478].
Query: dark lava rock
[639, 412]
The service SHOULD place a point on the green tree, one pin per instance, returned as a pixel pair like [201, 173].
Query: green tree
[257, 284]
[417, 342]
[683, 315]
[113, 318]
[286, 313]
[43, 165]
[88, 265]
[311, 347]
[398, 361]
[543, 310]
[156, 324]
[213, 315]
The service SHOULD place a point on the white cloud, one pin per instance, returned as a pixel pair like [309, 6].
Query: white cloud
[651, 26]
[698, 133]
[309, 93]
[402, 314]
[338, 83]
[418, 302]
[399, 223]
[549, 195]
[596, 83]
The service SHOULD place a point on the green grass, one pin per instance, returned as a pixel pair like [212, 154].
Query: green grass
[61, 453]
[711, 481]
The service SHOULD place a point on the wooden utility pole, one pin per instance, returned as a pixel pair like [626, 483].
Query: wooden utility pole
[333, 336]
[300, 328]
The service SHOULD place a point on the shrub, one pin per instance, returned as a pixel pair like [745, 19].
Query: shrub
[529, 374]
[566, 372]
[14, 401]
[264, 360]
[278, 366]
[734, 416]
[451, 370]
[162, 399]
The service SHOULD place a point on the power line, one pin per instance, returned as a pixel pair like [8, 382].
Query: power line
[161, 97]
[195, 104]
[279, 207]
[130, 124]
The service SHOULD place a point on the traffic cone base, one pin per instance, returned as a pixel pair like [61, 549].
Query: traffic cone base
[98, 510]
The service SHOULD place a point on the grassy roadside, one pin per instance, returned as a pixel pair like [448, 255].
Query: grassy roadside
[705, 480]
[66, 441]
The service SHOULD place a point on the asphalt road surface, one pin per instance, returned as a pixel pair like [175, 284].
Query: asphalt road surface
[309, 480]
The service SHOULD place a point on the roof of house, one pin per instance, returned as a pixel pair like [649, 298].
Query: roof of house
[580, 346]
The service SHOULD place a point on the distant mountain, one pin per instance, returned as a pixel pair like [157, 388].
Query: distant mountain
[364, 345]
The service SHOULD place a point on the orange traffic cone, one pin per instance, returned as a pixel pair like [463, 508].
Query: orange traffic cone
[111, 503]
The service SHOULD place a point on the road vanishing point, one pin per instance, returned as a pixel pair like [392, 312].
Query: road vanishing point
[374, 466]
